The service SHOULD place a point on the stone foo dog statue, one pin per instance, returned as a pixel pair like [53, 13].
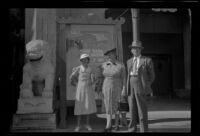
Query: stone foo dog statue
[36, 90]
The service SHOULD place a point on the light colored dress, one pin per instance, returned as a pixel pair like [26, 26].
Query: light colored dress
[85, 95]
[114, 77]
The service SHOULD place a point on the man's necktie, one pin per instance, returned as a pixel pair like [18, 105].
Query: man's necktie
[135, 67]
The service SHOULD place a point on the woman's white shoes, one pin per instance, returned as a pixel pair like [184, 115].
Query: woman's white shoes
[88, 128]
[77, 129]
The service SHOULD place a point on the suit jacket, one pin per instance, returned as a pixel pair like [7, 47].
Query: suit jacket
[145, 71]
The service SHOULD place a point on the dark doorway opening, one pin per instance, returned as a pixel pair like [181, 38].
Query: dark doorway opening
[162, 85]
[15, 60]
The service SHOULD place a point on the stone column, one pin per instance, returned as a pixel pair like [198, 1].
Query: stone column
[45, 28]
[135, 22]
[29, 13]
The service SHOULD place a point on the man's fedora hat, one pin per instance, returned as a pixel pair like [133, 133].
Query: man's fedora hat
[109, 51]
[136, 44]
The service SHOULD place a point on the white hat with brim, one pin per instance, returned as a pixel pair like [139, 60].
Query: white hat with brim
[84, 56]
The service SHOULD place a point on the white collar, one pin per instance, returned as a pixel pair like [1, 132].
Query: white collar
[83, 68]
[137, 57]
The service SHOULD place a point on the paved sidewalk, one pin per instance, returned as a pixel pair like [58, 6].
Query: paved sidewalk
[165, 115]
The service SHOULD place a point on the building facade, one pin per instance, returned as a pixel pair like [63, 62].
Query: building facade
[166, 37]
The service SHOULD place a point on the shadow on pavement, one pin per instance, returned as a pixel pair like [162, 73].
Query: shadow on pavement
[168, 120]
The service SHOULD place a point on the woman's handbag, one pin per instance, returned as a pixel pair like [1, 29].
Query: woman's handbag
[74, 81]
[123, 104]
[74, 77]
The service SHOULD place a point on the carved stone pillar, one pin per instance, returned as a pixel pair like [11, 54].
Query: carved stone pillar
[135, 21]
[44, 26]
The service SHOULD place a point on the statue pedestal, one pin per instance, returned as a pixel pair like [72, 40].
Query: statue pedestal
[34, 121]
[34, 114]
[35, 105]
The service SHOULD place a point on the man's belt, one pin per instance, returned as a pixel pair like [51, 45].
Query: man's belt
[133, 75]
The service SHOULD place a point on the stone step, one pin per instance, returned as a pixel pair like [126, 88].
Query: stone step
[34, 121]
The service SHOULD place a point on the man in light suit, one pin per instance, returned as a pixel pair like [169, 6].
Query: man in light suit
[139, 80]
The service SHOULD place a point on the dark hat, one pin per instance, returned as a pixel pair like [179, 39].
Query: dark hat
[136, 44]
[109, 51]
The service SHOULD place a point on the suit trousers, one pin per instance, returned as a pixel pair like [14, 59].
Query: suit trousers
[137, 105]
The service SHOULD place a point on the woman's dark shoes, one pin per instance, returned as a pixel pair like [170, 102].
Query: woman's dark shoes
[124, 124]
[108, 129]
[116, 128]
[132, 129]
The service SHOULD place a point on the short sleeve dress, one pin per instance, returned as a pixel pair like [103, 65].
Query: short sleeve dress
[112, 85]
[85, 95]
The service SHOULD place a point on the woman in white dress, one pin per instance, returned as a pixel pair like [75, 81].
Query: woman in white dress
[85, 96]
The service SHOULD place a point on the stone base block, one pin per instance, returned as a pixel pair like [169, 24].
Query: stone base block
[183, 93]
[35, 105]
[34, 121]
